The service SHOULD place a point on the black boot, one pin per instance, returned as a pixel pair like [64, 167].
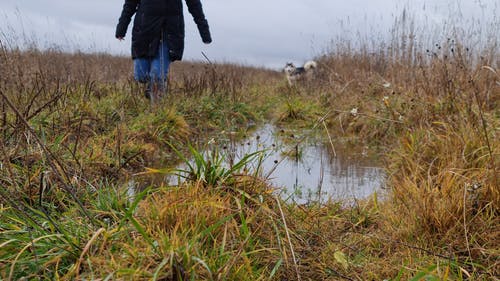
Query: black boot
[147, 92]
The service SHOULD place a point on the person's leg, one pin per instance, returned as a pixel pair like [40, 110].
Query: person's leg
[159, 69]
[142, 68]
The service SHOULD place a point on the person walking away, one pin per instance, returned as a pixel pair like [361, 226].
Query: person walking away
[158, 38]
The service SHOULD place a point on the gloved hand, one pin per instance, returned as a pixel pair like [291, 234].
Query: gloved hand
[205, 33]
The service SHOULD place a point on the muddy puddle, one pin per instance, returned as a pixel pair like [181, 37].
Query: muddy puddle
[303, 168]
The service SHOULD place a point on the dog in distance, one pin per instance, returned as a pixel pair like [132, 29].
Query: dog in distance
[294, 73]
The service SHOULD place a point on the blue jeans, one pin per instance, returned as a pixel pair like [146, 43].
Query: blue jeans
[153, 71]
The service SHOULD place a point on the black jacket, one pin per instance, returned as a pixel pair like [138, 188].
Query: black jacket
[154, 16]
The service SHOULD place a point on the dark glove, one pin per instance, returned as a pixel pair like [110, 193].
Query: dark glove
[205, 33]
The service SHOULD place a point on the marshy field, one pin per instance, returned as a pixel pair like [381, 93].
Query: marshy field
[98, 185]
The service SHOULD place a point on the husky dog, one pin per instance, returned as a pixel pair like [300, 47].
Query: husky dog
[294, 73]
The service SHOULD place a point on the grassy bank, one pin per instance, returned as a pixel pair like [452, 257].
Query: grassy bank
[76, 129]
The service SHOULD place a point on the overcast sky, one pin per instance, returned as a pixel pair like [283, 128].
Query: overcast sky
[256, 32]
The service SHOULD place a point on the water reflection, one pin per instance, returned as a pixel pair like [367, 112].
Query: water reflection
[306, 169]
